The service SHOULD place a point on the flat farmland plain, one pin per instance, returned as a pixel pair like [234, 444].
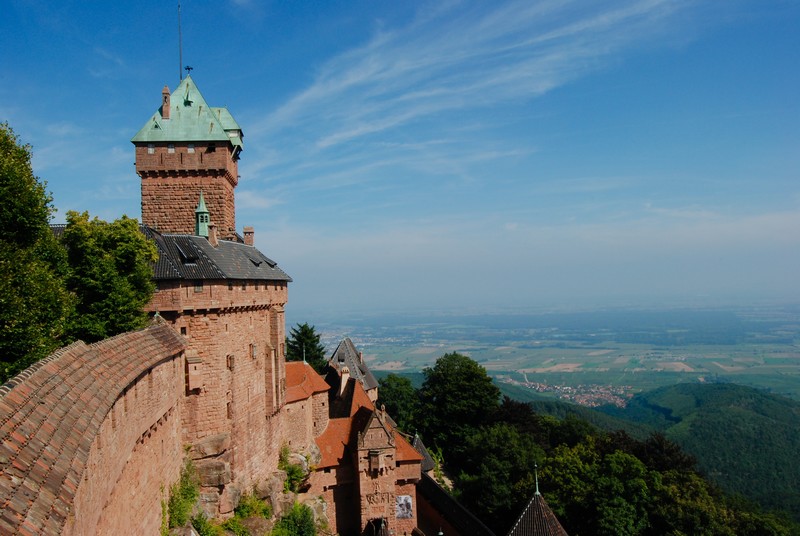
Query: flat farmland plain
[591, 357]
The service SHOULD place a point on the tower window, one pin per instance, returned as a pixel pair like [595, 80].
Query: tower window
[151, 148]
[190, 148]
[171, 148]
[198, 286]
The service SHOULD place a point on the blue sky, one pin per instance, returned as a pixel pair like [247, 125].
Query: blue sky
[452, 155]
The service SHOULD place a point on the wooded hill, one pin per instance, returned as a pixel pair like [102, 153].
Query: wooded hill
[744, 439]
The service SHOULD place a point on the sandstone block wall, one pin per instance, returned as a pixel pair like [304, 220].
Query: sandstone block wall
[172, 181]
[168, 203]
[236, 341]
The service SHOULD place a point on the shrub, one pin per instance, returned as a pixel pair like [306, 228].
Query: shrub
[206, 527]
[252, 506]
[299, 521]
[295, 474]
[182, 496]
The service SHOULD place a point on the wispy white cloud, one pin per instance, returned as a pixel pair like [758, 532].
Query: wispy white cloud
[421, 97]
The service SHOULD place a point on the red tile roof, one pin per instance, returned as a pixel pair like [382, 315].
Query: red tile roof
[341, 431]
[50, 415]
[302, 381]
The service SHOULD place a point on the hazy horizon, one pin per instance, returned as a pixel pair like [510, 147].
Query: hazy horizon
[455, 155]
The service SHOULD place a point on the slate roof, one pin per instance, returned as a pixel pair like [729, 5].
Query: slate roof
[302, 381]
[182, 256]
[427, 461]
[346, 355]
[50, 415]
[191, 119]
[537, 520]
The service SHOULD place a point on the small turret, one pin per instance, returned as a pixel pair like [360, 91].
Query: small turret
[201, 218]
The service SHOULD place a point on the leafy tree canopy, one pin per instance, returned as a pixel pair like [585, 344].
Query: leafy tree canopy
[457, 396]
[303, 341]
[111, 273]
[400, 398]
[34, 301]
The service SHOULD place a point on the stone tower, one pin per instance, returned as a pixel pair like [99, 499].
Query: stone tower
[184, 149]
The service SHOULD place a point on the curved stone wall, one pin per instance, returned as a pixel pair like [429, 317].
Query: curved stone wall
[90, 433]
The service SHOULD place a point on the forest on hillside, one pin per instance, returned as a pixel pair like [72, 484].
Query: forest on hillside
[596, 482]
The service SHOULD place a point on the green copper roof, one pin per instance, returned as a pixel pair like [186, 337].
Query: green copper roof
[190, 119]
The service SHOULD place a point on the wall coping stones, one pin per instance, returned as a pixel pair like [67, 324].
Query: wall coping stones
[51, 413]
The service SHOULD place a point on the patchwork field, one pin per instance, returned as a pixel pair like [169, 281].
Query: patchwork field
[614, 350]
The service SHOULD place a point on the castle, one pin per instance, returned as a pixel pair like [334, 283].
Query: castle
[94, 435]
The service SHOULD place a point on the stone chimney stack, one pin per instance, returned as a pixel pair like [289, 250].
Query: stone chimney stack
[165, 103]
[249, 236]
[343, 380]
[212, 235]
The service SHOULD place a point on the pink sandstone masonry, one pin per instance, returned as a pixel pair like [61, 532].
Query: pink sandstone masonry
[171, 185]
[235, 342]
[76, 428]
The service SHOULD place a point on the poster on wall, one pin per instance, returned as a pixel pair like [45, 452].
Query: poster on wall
[403, 507]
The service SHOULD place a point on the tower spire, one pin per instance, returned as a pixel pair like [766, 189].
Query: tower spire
[536, 477]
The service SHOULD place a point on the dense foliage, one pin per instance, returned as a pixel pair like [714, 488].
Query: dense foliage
[303, 343]
[596, 482]
[400, 398]
[111, 274]
[92, 286]
[456, 397]
[34, 301]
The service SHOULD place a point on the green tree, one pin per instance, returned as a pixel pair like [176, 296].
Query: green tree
[303, 342]
[111, 273]
[456, 398]
[34, 301]
[498, 477]
[401, 400]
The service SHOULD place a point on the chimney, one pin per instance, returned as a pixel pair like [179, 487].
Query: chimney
[345, 377]
[249, 236]
[212, 235]
[361, 357]
[165, 103]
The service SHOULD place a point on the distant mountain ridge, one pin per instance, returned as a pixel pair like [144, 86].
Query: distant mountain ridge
[745, 439]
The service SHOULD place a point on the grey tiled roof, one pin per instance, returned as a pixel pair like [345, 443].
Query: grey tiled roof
[346, 355]
[183, 256]
[427, 460]
[537, 520]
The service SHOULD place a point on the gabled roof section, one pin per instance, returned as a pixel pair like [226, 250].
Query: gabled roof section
[346, 355]
[193, 257]
[190, 119]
